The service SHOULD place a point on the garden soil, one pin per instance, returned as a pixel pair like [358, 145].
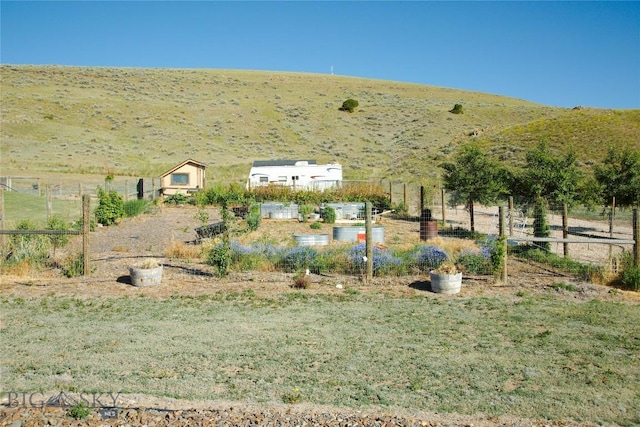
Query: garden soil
[114, 249]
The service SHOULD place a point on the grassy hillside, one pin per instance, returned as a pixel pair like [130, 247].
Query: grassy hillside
[141, 122]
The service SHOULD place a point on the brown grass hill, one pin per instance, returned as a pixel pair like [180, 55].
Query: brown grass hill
[140, 122]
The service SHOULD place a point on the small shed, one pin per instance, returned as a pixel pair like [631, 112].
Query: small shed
[184, 178]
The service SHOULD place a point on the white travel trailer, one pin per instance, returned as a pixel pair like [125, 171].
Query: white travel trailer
[302, 174]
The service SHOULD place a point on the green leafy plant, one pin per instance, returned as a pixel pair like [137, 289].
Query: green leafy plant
[401, 210]
[329, 215]
[110, 207]
[293, 396]
[79, 411]
[27, 247]
[630, 278]
[202, 215]
[301, 281]
[58, 240]
[178, 199]
[498, 251]
[540, 223]
[253, 217]
[629, 274]
[73, 265]
[305, 210]
[349, 105]
[564, 286]
[315, 226]
[136, 207]
[220, 257]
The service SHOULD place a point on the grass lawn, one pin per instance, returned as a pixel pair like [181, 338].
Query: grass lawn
[526, 356]
[20, 206]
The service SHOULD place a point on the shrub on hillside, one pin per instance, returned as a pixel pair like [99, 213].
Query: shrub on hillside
[349, 105]
[457, 109]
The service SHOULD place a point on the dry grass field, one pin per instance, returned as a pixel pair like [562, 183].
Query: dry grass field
[140, 122]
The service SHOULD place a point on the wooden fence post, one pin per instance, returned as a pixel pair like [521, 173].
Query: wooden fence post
[636, 237]
[369, 240]
[2, 220]
[444, 214]
[49, 201]
[502, 234]
[404, 196]
[565, 229]
[510, 215]
[86, 219]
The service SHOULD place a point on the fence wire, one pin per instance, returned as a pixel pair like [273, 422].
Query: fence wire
[419, 232]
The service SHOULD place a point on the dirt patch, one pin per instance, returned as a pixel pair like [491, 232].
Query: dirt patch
[139, 410]
[114, 249]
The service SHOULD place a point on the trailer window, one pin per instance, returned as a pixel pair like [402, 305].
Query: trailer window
[264, 179]
[282, 179]
[179, 179]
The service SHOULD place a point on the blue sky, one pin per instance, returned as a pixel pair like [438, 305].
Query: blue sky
[556, 53]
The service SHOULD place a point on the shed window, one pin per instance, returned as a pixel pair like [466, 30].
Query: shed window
[179, 179]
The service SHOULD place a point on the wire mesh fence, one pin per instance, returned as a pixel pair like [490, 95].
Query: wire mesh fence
[417, 231]
[37, 199]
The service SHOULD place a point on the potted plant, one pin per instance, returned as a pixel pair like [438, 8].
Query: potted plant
[146, 273]
[446, 279]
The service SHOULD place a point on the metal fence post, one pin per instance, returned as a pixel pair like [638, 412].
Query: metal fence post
[86, 218]
[369, 240]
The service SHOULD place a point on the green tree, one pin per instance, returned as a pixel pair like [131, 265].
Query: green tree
[474, 177]
[540, 224]
[349, 105]
[555, 179]
[457, 109]
[619, 176]
[58, 240]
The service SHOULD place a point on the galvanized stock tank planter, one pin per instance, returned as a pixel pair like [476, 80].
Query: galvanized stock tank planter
[311, 239]
[446, 279]
[146, 273]
[351, 233]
